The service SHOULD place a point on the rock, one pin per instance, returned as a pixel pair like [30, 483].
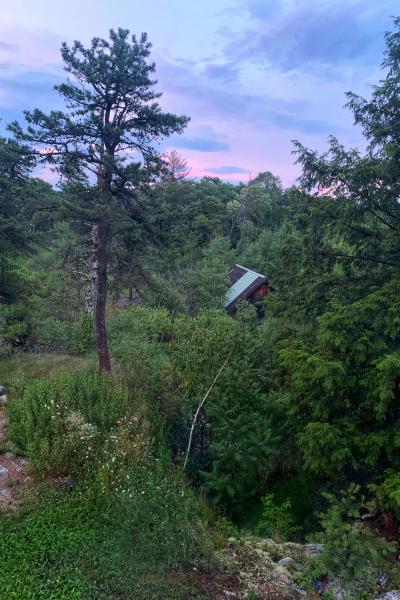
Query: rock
[3, 394]
[3, 470]
[312, 549]
[393, 595]
[289, 563]
[285, 578]
[232, 540]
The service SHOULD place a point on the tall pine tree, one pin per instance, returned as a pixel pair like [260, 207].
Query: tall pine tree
[104, 143]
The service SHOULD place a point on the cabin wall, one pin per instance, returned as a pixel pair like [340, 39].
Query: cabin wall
[259, 293]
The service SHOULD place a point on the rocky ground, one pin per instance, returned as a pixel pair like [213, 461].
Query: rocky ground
[14, 475]
[253, 568]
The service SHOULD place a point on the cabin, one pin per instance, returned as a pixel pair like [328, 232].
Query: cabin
[245, 285]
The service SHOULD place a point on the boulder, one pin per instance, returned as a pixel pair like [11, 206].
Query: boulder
[393, 595]
[289, 563]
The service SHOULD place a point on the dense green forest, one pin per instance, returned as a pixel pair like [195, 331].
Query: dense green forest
[123, 267]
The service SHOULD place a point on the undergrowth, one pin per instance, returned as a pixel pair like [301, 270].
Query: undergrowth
[70, 547]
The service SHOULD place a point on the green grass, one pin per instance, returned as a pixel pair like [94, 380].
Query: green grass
[28, 366]
[103, 540]
[63, 549]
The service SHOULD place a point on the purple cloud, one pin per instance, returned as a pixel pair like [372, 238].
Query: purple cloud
[294, 35]
[199, 144]
[227, 170]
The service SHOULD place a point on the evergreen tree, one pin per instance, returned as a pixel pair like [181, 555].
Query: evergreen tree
[104, 143]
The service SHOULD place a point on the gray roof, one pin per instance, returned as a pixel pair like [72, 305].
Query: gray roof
[241, 285]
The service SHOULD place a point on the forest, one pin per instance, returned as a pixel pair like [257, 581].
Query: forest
[116, 350]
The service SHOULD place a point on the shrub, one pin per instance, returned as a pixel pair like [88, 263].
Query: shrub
[62, 422]
[160, 513]
[169, 363]
[351, 550]
[83, 335]
[140, 339]
[15, 325]
[388, 492]
[243, 444]
[51, 334]
[277, 519]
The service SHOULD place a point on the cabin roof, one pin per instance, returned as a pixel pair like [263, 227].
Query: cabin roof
[243, 286]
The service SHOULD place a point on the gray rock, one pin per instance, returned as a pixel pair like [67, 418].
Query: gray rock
[3, 470]
[289, 563]
[232, 540]
[393, 595]
[3, 394]
[313, 549]
[285, 578]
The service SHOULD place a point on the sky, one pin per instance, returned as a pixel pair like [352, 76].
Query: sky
[252, 74]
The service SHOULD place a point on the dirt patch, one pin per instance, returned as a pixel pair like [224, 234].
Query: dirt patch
[212, 584]
[14, 474]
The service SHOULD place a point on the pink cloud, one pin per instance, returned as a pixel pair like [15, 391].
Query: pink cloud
[23, 49]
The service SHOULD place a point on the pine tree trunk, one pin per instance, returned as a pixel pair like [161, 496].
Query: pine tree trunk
[101, 239]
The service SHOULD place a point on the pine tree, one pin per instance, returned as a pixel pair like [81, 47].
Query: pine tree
[103, 143]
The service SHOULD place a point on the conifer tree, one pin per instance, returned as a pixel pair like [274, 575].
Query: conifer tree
[104, 143]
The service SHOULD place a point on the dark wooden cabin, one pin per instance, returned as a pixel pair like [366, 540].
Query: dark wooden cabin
[245, 285]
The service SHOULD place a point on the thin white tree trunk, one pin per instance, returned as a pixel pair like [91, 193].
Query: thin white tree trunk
[196, 414]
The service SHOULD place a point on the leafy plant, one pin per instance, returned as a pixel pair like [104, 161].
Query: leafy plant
[83, 334]
[81, 545]
[277, 519]
[61, 423]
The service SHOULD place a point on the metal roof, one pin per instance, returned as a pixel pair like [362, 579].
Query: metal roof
[241, 285]
[249, 270]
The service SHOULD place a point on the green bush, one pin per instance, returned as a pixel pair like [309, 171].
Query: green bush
[160, 512]
[61, 423]
[169, 363]
[277, 519]
[83, 335]
[351, 550]
[15, 325]
[51, 334]
[130, 514]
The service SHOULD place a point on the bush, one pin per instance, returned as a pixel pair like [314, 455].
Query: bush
[351, 550]
[15, 325]
[130, 514]
[51, 334]
[160, 512]
[83, 335]
[277, 519]
[169, 363]
[61, 423]
[140, 341]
